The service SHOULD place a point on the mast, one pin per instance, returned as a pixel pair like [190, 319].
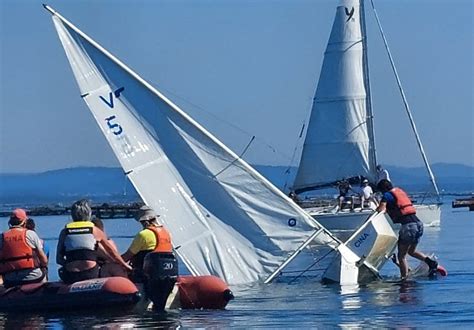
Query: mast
[370, 115]
[407, 107]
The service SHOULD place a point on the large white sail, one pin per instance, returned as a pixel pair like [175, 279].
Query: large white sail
[225, 218]
[337, 140]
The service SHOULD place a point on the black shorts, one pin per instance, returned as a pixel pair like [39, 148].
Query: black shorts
[72, 277]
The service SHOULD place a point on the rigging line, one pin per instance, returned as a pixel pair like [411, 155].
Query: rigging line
[240, 157]
[310, 266]
[295, 149]
[407, 108]
[210, 114]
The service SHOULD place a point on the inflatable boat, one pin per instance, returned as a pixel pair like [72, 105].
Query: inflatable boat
[191, 292]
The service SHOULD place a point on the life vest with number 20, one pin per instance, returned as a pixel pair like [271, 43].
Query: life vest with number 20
[16, 254]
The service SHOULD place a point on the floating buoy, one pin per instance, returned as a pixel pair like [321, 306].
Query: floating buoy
[206, 292]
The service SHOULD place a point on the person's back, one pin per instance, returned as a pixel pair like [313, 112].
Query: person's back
[153, 259]
[22, 258]
[77, 246]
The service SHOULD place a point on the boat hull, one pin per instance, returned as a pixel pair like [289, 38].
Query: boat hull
[101, 293]
[117, 293]
[429, 214]
[372, 245]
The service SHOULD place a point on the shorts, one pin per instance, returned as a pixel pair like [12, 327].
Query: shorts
[410, 233]
[72, 277]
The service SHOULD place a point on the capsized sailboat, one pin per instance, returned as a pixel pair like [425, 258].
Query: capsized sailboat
[226, 219]
[340, 142]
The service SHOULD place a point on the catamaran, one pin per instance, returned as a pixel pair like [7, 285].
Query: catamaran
[226, 219]
[340, 141]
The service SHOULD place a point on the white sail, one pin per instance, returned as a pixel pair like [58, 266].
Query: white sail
[337, 140]
[225, 218]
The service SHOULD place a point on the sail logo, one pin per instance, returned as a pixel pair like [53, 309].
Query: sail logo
[361, 240]
[110, 101]
[349, 13]
[113, 126]
[292, 222]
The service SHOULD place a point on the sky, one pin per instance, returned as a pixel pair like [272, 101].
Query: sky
[241, 68]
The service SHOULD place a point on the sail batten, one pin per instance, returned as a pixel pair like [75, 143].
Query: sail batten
[237, 225]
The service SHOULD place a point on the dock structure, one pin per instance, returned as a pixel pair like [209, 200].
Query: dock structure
[464, 202]
[102, 211]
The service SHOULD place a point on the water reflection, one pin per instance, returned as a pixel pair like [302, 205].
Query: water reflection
[391, 292]
[350, 297]
[408, 293]
[22, 322]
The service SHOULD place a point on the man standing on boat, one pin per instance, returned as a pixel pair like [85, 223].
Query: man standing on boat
[22, 258]
[382, 174]
[77, 246]
[401, 210]
[151, 254]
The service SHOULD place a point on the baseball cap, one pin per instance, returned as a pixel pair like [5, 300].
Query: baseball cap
[20, 214]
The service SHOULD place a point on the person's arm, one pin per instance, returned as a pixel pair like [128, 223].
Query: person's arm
[109, 249]
[43, 259]
[34, 241]
[60, 259]
[136, 246]
[382, 206]
[127, 256]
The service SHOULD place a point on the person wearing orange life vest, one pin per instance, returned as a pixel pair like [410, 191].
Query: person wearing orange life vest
[152, 258]
[22, 258]
[401, 210]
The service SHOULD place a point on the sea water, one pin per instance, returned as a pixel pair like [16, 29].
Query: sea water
[305, 303]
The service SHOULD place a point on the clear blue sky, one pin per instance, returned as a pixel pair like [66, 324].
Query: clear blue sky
[240, 68]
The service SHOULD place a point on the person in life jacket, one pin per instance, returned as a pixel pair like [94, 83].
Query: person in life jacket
[77, 246]
[152, 257]
[401, 210]
[22, 258]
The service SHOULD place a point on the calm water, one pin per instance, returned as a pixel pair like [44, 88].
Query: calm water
[305, 303]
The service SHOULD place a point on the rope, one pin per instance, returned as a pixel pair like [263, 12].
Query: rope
[310, 266]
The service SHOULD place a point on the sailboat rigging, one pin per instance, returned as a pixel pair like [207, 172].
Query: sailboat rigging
[340, 140]
[226, 218]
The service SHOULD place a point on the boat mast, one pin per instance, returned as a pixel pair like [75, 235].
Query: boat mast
[407, 108]
[370, 115]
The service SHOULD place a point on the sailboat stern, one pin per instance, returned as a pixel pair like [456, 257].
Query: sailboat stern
[362, 256]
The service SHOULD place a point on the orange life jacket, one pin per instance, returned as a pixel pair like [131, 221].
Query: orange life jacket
[16, 254]
[163, 239]
[403, 205]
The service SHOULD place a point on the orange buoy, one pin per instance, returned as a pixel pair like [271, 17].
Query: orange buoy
[207, 292]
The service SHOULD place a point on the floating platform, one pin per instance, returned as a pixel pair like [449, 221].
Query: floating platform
[103, 211]
[464, 202]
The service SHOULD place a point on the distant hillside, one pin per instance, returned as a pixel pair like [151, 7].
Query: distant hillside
[109, 184]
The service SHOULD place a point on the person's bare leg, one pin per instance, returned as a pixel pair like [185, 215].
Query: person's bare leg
[402, 260]
[415, 254]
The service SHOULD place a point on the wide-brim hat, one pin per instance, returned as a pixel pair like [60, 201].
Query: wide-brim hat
[145, 213]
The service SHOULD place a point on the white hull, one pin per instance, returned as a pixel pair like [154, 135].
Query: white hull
[429, 214]
[373, 244]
